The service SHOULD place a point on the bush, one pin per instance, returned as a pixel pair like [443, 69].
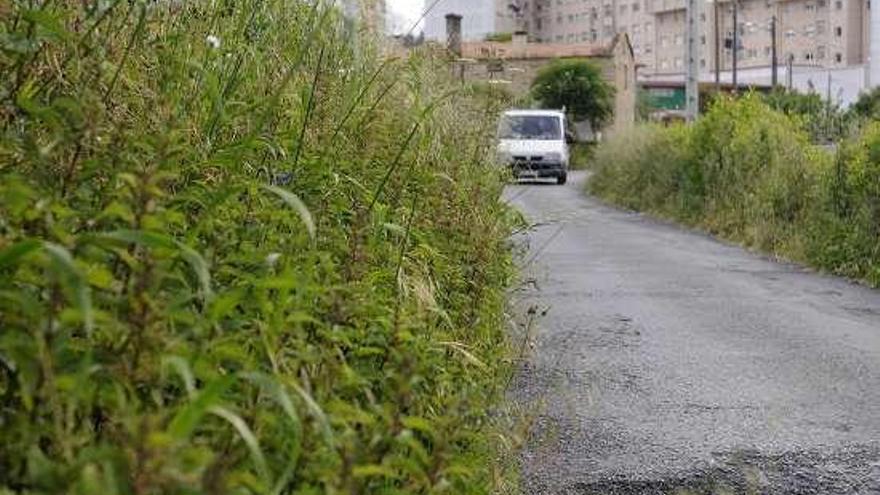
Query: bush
[825, 122]
[748, 173]
[241, 253]
[742, 171]
[867, 107]
[845, 228]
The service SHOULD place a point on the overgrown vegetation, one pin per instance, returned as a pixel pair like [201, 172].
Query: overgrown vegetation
[868, 105]
[241, 252]
[749, 173]
[824, 121]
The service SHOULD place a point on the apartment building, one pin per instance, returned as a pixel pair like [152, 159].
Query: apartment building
[820, 33]
[479, 18]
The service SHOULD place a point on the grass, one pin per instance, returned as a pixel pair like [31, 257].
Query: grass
[243, 250]
[750, 174]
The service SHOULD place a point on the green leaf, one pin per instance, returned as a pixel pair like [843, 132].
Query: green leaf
[49, 24]
[187, 419]
[182, 368]
[294, 202]
[249, 439]
[72, 277]
[316, 412]
[158, 241]
[15, 252]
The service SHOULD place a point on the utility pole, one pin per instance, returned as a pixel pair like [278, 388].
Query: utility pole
[790, 75]
[874, 58]
[735, 47]
[717, 49]
[692, 56]
[775, 61]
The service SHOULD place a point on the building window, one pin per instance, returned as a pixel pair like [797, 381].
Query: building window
[838, 31]
[838, 57]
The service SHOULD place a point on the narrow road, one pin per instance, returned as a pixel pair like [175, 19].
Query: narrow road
[668, 362]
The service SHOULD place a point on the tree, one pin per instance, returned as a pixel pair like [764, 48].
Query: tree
[868, 105]
[578, 86]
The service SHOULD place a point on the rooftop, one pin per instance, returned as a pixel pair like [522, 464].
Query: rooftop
[518, 51]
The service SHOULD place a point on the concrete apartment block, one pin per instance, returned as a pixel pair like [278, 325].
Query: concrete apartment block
[816, 33]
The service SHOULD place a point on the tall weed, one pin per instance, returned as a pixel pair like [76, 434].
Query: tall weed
[242, 251]
[749, 173]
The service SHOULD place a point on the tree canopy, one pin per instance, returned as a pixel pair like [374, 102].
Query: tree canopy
[868, 105]
[578, 86]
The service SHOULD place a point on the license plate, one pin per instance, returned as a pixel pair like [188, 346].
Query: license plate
[528, 174]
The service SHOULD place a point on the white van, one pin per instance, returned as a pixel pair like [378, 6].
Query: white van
[534, 144]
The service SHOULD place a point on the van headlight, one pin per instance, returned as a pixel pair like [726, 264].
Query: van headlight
[553, 157]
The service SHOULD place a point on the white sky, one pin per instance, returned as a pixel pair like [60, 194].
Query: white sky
[406, 11]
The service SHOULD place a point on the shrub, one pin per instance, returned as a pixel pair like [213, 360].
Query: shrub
[240, 252]
[868, 105]
[643, 170]
[845, 229]
[743, 171]
[824, 121]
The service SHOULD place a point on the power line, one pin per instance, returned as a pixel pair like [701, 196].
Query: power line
[422, 17]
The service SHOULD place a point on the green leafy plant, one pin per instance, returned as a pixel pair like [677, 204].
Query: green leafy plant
[825, 121]
[750, 173]
[243, 251]
[868, 105]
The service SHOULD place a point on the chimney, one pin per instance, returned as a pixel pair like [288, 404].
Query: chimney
[874, 51]
[453, 34]
[519, 38]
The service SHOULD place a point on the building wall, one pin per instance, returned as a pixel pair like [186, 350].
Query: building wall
[820, 33]
[517, 76]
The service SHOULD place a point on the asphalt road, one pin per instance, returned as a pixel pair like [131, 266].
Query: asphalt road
[669, 362]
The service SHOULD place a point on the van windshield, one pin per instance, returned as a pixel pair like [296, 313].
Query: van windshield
[542, 127]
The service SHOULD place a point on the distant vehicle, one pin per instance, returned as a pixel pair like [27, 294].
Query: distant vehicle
[534, 144]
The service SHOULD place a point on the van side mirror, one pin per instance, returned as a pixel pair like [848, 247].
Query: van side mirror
[569, 138]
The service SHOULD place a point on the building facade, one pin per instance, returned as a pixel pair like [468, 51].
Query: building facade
[515, 64]
[480, 18]
[817, 33]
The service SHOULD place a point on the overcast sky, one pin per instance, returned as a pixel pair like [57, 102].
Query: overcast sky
[405, 12]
